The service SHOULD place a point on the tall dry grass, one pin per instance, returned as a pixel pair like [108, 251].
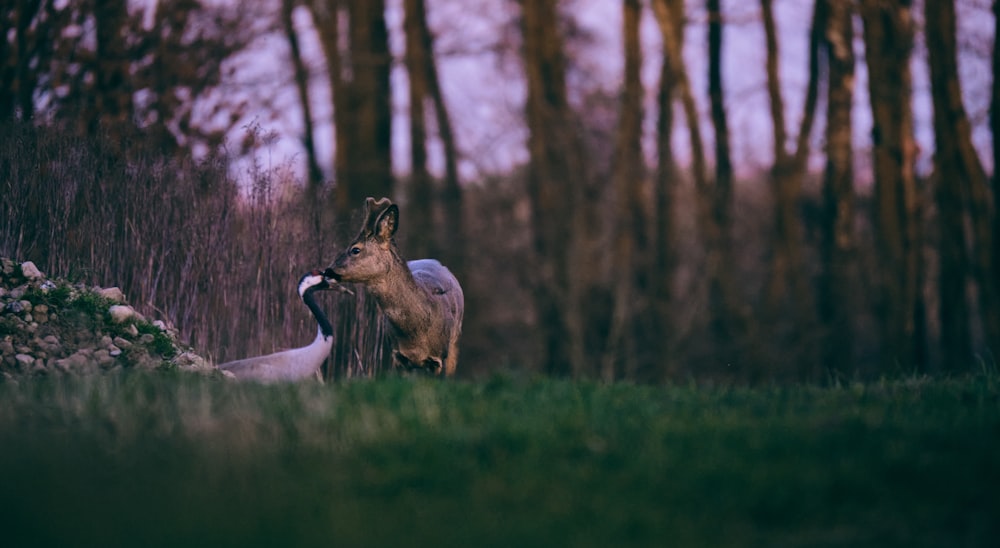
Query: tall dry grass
[183, 240]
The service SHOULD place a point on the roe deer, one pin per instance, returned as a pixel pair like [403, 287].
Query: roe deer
[421, 299]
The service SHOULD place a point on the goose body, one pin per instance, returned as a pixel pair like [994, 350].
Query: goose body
[298, 363]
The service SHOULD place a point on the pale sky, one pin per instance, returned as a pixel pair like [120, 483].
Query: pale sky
[484, 91]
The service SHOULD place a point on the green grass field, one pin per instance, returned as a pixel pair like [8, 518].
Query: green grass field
[171, 460]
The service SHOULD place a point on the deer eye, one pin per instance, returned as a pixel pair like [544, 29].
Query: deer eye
[355, 250]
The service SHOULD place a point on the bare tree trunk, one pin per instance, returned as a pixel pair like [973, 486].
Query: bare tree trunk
[371, 62]
[995, 130]
[21, 60]
[314, 173]
[553, 172]
[453, 241]
[359, 80]
[888, 30]
[728, 322]
[112, 93]
[960, 183]
[789, 167]
[420, 239]
[664, 265]
[327, 14]
[836, 301]
[631, 229]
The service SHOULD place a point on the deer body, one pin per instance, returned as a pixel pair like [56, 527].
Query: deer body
[422, 300]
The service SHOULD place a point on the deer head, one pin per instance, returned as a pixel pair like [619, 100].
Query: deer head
[373, 252]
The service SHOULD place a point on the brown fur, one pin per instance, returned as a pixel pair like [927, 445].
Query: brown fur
[422, 300]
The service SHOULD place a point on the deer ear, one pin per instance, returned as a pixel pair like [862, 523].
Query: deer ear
[387, 223]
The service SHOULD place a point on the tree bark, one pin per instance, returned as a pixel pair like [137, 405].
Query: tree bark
[629, 317]
[314, 174]
[453, 241]
[787, 276]
[888, 36]
[836, 301]
[959, 191]
[112, 93]
[729, 323]
[301, 75]
[420, 238]
[553, 169]
[664, 244]
[359, 80]
[995, 130]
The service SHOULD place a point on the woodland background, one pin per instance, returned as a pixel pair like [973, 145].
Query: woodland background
[624, 243]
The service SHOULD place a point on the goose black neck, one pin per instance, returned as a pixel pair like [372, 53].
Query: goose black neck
[324, 324]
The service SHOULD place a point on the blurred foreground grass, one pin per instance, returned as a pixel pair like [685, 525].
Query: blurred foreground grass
[169, 460]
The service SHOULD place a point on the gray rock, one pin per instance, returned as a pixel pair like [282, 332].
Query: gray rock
[103, 358]
[160, 325]
[24, 360]
[121, 343]
[114, 351]
[81, 361]
[191, 361]
[113, 294]
[121, 313]
[6, 348]
[132, 330]
[14, 307]
[30, 271]
[146, 338]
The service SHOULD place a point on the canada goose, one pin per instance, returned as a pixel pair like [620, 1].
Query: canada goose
[298, 363]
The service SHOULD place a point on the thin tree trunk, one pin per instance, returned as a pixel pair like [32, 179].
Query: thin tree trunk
[729, 322]
[631, 242]
[787, 276]
[359, 80]
[370, 168]
[327, 15]
[314, 173]
[552, 173]
[995, 130]
[420, 239]
[454, 227]
[959, 182]
[663, 267]
[888, 34]
[835, 304]
[113, 93]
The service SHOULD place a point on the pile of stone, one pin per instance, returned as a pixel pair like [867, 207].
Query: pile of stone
[44, 331]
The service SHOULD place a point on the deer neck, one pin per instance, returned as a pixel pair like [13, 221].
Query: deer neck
[404, 303]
